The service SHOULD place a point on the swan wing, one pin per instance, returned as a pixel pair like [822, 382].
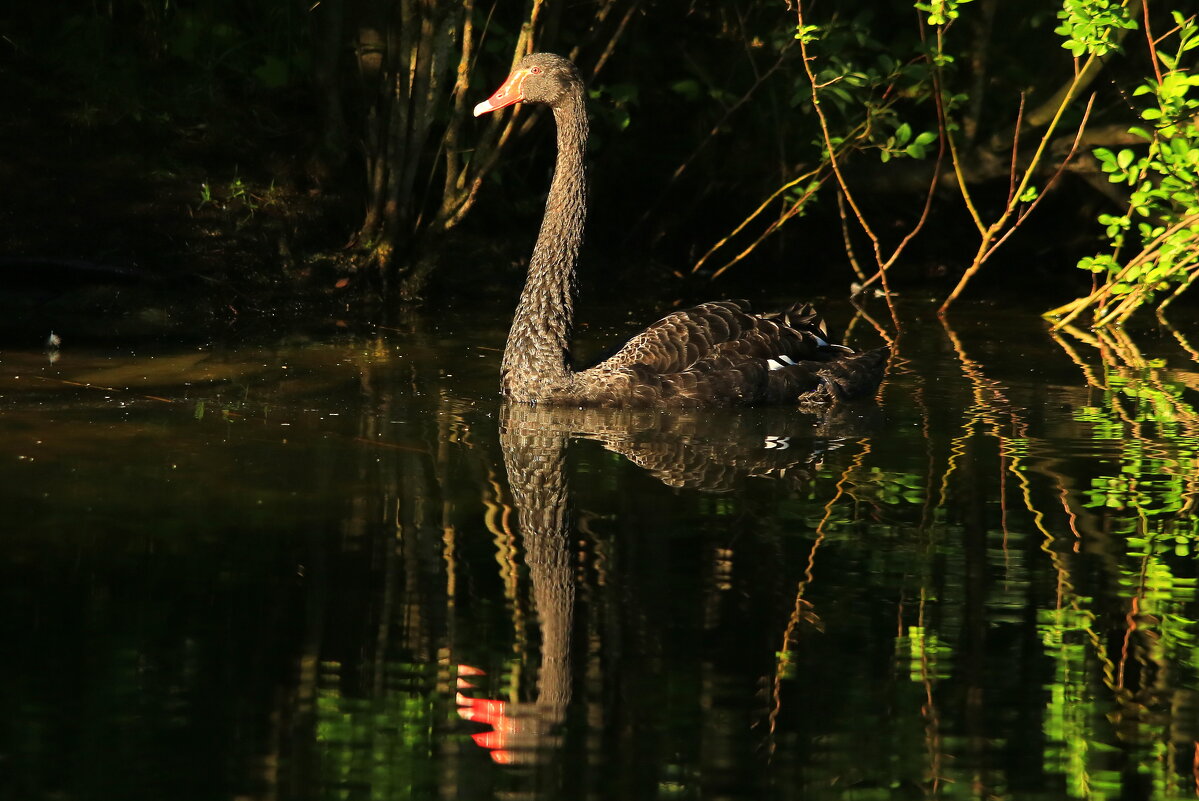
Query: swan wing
[685, 338]
[682, 338]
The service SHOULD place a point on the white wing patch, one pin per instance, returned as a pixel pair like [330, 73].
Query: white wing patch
[781, 361]
[824, 343]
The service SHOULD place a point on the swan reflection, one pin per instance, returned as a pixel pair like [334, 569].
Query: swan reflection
[702, 451]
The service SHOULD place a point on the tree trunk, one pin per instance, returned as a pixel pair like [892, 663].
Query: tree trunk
[405, 60]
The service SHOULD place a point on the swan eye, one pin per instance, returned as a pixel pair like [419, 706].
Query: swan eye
[535, 70]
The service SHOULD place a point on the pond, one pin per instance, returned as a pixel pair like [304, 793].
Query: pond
[336, 567]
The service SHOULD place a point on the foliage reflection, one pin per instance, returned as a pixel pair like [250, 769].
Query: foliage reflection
[334, 571]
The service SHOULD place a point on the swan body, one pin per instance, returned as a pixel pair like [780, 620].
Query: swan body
[716, 353]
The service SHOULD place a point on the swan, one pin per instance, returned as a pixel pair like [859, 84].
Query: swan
[715, 354]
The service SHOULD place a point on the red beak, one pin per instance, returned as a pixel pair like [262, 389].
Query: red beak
[511, 92]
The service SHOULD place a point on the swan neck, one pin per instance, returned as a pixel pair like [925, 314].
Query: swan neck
[537, 356]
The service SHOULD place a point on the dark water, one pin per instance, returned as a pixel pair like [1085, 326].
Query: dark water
[320, 569]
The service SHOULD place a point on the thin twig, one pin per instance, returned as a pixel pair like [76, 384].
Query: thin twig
[849, 254]
[764, 205]
[1011, 186]
[1048, 184]
[774, 226]
[836, 167]
[986, 245]
[1157, 70]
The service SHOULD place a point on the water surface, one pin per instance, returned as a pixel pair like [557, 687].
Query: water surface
[337, 567]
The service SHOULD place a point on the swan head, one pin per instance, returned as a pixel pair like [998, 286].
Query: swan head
[538, 78]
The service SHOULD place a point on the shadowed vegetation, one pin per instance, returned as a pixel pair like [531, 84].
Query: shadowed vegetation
[331, 144]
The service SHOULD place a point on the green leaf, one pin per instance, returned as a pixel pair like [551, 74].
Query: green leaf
[688, 88]
[1151, 114]
[807, 33]
[840, 94]
[1124, 158]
